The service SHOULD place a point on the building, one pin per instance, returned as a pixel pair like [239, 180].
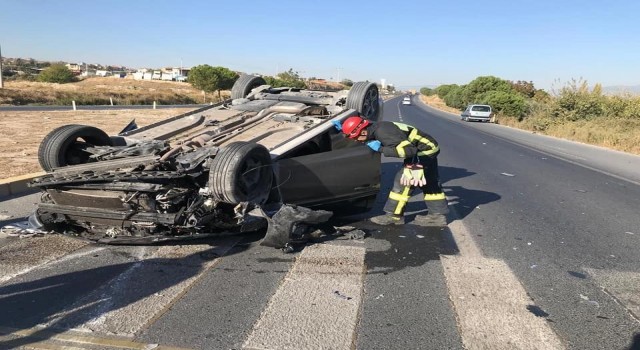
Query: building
[167, 74]
[74, 67]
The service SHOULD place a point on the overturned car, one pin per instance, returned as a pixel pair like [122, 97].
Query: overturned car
[222, 169]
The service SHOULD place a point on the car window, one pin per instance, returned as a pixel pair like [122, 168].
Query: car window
[481, 108]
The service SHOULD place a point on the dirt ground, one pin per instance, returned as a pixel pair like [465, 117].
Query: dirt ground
[22, 132]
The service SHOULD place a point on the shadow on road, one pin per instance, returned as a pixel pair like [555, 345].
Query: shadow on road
[69, 300]
[463, 200]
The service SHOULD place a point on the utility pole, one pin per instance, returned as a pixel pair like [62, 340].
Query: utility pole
[339, 69]
[1, 83]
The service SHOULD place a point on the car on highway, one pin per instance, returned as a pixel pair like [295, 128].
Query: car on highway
[218, 170]
[477, 112]
[406, 100]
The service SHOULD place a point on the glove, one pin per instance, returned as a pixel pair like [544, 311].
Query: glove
[413, 175]
[417, 172]
[407, 176]
[337, 125]
[374, 145]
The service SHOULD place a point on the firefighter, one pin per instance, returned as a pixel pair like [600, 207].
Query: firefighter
[420, 153]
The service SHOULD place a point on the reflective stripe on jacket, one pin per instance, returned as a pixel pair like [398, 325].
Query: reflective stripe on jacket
[402, 140]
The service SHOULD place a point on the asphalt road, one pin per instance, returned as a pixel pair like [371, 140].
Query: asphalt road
[539, 254]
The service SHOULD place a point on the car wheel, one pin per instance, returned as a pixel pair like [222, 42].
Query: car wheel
[364, 98]
[241, 172]
[243, 86]
[66, 145]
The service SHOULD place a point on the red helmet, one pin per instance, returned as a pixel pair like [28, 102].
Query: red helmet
[352, 126]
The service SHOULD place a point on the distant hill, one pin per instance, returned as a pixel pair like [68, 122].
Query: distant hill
[621, 89]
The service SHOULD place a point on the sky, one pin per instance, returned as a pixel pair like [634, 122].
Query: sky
[408, 43]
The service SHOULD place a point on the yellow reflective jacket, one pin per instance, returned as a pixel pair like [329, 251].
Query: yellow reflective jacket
[402, 140]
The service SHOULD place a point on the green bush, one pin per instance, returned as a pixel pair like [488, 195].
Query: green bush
[456, 97]
[481, 85]
[56, 73]
[508, 103]
[210, 79]
[443, 90]
[427, 91]
[576, 102]
[286, 79]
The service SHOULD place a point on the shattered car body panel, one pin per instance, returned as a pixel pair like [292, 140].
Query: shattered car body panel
[208, 172]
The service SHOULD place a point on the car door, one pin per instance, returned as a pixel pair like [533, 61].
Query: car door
[342, 175]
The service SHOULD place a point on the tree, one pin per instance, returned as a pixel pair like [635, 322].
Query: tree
[57, 73]
[347, 82]
[482, 85]
[427, 91]
[443, 90]
[456, 97]
[508, 103]
[526, 88]
[289, 78]
[210, 79]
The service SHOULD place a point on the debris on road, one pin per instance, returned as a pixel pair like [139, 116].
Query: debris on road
[591, 302]
[290, 222]
[22, 230]
[356, 234]
[507, 174]
[341, 296]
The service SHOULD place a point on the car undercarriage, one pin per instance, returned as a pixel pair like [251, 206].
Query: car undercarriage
[222, 169]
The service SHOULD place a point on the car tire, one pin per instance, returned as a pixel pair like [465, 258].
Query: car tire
[64, 145]
[245, 83]
[364, 98]
[241, 172]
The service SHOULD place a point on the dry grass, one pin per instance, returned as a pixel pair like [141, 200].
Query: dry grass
[622, 134]
[22, 132]
[618, 134]
[436, 102]
[99, 90]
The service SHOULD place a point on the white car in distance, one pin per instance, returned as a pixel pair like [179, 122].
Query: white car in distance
[406, 100]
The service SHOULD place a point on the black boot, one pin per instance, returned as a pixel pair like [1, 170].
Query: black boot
[388, 219]
[431, 220]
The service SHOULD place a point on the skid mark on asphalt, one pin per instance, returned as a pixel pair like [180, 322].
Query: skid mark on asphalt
[317, 305]
[490, 303]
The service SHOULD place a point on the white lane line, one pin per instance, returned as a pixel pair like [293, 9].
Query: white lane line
[621, 286]
[38, 338]
[317, 305]
[27, 254]
[143, 292]
[490, 302]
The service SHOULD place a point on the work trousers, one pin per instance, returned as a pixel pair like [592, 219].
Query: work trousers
[433, 194]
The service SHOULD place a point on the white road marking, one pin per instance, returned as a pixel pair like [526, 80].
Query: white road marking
[39, 338]
[142, 293]
[317, 305]
[622, 286]
[27, 254]
[490, 303]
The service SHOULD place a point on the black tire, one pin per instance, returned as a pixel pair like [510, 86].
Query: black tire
[243, 86]
[364, 98]
[241, 172]
[65, 145]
